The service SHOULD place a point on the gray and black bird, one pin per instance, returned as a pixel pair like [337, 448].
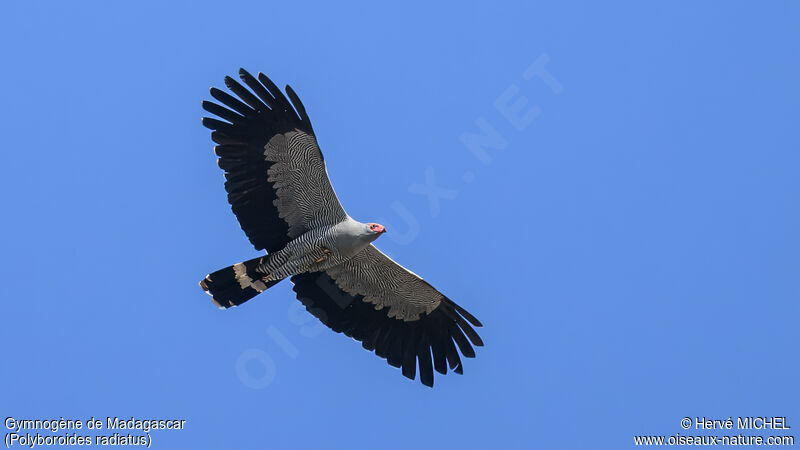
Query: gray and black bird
[279, 190]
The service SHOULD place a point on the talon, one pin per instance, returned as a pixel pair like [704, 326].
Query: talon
[320, 260]
[267, 278]
[327, 252]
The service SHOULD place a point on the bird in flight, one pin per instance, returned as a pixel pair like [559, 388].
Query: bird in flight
[279, 190]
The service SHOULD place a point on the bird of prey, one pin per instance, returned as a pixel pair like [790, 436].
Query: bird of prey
[279, 190]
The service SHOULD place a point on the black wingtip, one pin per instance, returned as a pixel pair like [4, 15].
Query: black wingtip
[264, 79]
[439, 341]
[269, 84]
[244, 75]
[475, 322]
[471, 334]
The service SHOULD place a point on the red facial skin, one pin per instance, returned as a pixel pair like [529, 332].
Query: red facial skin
[377, 227]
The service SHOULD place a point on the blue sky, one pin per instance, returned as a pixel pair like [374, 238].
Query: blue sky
[631, 244]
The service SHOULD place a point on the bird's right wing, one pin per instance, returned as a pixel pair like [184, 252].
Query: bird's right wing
[276, 179]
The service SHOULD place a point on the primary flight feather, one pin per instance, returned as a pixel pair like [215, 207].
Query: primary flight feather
[280, 192]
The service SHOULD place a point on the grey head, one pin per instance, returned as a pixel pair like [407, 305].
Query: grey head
[352, 236]
[373, 230]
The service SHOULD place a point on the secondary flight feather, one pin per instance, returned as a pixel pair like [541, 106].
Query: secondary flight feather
[279, 190]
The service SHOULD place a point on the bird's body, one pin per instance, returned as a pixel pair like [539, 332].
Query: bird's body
[279, 189]
[318, 249]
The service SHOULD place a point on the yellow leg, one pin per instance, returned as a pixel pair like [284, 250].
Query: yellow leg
[322, 258]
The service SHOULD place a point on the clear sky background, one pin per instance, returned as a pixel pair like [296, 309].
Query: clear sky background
[631, 244]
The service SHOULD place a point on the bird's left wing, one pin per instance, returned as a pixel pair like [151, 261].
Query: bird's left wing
[276, 179]
[392, 311]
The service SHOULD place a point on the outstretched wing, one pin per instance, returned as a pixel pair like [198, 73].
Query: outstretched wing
[275, 174]
[392, 311]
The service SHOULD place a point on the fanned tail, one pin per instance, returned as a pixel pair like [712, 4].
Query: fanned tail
[236, 284]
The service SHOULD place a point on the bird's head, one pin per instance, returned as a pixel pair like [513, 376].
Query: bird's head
[376, 229]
